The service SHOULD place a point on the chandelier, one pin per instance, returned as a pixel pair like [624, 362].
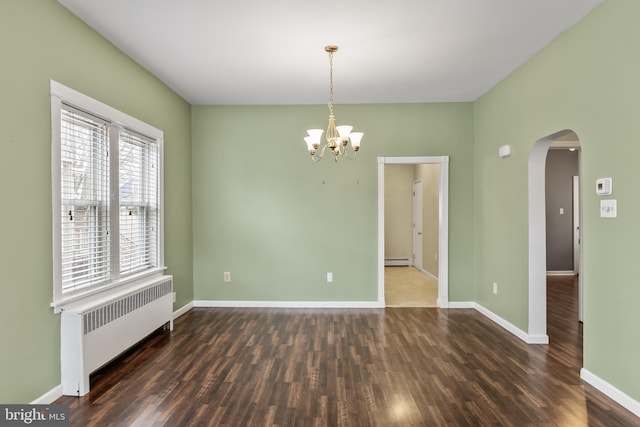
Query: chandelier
[339, 139]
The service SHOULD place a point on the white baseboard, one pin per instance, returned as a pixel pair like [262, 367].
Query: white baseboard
[462, 304]
[442, 302]
[429, 275]
[529, 339]
[290, 304]
[182, 310]
[619, 396]
[510, 327]
[49, 397]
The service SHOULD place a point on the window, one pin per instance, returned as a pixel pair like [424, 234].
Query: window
[107, 176]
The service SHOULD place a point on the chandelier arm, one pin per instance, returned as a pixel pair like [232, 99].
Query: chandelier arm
[319, 156]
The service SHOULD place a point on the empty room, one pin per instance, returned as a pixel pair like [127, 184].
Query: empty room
[196, 229]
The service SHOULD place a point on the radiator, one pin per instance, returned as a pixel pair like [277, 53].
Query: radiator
[94, 333]
[391, 262]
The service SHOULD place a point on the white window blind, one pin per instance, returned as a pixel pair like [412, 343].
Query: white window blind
[107, 196]
[138, 202]
[85, 200]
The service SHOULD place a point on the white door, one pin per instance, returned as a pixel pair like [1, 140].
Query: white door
[417, 224]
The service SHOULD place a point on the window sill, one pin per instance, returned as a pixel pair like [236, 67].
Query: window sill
[90, 297]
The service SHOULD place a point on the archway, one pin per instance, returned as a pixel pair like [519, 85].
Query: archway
[537, 237]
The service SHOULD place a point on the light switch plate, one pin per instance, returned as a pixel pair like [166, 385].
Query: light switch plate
[609, 208]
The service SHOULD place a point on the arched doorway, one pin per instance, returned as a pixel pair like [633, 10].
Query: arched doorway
[537, 235]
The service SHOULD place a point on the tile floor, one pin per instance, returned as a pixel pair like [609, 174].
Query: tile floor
[408, 287]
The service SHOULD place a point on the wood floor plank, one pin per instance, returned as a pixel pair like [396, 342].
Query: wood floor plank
[347, 367]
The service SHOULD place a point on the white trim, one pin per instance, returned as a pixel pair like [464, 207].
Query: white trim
[443, 243]
[289, 304]
[49, 397]
[85, 102]
[561, 273]
[381, 230]
[56, 196]
[577, 219]
[510, 327]
[442, 302]
[462, 304]
[443, 234]
[429, 275]
[417, 219]
[611, 391]
[537, 339]
[182, 310]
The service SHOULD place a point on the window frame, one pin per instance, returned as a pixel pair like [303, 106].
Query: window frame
[60, 96]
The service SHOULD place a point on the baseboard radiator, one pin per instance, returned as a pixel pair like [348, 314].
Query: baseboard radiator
[94, 333]
[397, 262]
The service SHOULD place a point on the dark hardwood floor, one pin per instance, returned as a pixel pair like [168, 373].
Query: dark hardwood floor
[368, 367]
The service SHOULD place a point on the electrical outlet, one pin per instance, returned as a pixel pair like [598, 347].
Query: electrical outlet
[495, 288]
[329, 277]
[227, 276]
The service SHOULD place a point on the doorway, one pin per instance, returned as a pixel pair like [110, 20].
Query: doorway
[537, 333]
[562, 205]
[443, 221]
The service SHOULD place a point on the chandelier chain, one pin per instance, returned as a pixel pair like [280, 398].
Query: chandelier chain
[331, 83]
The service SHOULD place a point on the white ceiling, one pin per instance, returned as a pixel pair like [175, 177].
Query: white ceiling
[272, 52]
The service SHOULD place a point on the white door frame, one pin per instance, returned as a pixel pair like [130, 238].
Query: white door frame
[537, 331]
[416, 230]
[576, 224]
[577, 241]
[443, 215]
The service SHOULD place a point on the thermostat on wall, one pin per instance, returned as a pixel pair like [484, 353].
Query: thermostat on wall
[603, 186]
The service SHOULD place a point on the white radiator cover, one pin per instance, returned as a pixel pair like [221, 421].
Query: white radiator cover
[93, 333]
[395, 262]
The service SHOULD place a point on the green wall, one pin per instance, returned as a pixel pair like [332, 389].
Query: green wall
[40, 40]
[279, 222]
[587, 81]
